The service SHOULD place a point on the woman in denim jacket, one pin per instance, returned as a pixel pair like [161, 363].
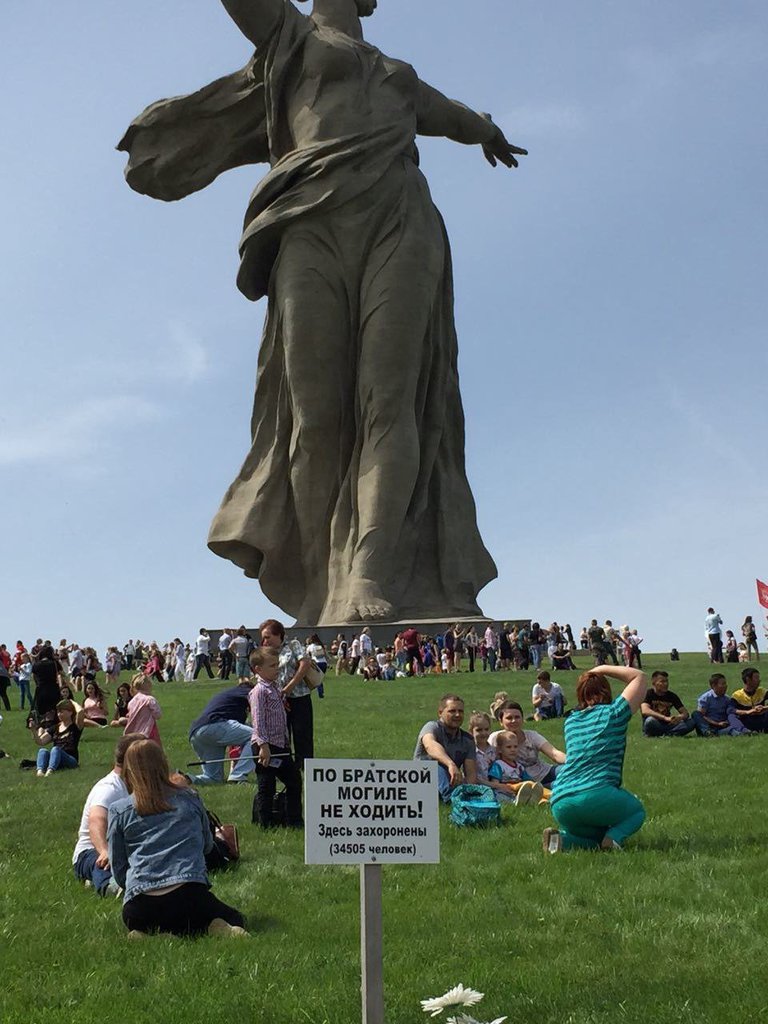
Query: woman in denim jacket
[158, 838]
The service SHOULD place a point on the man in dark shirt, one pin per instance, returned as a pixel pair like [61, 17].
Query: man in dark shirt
[413, 651]
[222, 725]
[663, 712]
[597, 643]
[446, 742]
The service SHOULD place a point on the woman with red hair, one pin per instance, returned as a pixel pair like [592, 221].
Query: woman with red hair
[588, 803]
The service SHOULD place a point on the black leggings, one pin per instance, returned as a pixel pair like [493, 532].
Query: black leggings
[187, 910]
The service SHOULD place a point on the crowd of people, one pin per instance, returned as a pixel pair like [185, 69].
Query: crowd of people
[263, 726]
[723, 646]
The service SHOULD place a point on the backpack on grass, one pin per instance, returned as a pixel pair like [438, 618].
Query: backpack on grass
[474, 805]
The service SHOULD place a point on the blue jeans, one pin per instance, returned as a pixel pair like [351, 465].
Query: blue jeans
[555, 710]
[535, 650]
[242, 668]
[85, 869]
[25, 692]
[653, 727]
[705, 729]
[444, 787]
[210, 743]
[54, 760]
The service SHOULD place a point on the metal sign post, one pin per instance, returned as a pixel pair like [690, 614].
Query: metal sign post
[371, 813]
[371, 944]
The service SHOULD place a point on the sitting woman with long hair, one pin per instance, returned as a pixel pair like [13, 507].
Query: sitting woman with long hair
[588, 803]
[62, 735]
[158, 839]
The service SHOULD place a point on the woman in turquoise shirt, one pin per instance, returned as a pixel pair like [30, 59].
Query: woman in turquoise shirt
[592, 810]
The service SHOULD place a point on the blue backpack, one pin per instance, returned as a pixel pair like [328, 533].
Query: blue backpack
[474, 805]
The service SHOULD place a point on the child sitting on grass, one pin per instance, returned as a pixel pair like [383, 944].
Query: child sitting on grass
[143, 710]
[508, 779]
[485, 755]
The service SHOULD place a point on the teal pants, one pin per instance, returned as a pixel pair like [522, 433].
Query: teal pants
[585, 819]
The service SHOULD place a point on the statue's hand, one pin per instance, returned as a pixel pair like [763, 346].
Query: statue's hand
[497, 147]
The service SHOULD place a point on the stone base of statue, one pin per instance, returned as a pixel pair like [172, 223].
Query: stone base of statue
[382, 633]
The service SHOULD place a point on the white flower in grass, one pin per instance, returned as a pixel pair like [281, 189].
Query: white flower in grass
[464, 1019]
[458, 996]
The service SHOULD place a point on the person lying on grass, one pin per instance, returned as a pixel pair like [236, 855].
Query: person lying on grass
[158, 837]
[508, 779]
[592, 810]
[63, 737]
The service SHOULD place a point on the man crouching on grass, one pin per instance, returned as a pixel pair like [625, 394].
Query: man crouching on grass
[270, 739]
[446, 742]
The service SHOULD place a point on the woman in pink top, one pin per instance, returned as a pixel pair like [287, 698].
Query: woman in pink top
[143, 709]
[95, 706]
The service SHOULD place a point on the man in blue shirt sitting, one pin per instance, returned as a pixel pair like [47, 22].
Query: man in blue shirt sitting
[713, 708]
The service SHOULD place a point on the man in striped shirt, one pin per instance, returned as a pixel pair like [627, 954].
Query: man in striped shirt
[270, 739]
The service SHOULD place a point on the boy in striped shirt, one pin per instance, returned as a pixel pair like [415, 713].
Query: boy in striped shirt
[270, 739]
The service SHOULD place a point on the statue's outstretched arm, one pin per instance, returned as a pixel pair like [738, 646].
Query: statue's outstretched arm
[255, 18]
[437, 115]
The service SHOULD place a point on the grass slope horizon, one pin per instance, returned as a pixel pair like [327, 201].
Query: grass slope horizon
[576, 939]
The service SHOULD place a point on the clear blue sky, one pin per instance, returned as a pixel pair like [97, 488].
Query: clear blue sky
[611, 303]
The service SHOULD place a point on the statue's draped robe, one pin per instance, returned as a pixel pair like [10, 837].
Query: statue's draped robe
[437, 560]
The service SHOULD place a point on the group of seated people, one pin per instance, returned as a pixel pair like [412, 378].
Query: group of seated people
[744, 712]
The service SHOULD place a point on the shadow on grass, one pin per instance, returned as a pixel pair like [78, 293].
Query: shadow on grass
[258, 924]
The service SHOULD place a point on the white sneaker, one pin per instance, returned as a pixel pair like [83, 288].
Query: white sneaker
[49, 772]
[529, 792]
[40, 773]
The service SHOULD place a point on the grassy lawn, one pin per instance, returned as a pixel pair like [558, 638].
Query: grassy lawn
[665, 932]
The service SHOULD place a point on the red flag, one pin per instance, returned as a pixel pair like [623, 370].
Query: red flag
[762, 593]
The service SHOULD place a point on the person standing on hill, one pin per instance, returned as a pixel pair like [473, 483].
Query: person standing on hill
[749, 633]
[202, 654]
[591, 808]
[712, 624]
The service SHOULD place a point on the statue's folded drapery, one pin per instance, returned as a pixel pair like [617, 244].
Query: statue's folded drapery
[343, 237]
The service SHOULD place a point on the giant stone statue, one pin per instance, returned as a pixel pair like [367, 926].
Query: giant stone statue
[353, 502]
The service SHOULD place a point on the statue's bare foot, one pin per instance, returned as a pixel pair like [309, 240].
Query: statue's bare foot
[364, 602]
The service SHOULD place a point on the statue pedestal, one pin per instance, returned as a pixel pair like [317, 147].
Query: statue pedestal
[383, 633]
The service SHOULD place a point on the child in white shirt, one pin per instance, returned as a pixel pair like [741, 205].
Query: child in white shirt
[508, 779]
[485, 755]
